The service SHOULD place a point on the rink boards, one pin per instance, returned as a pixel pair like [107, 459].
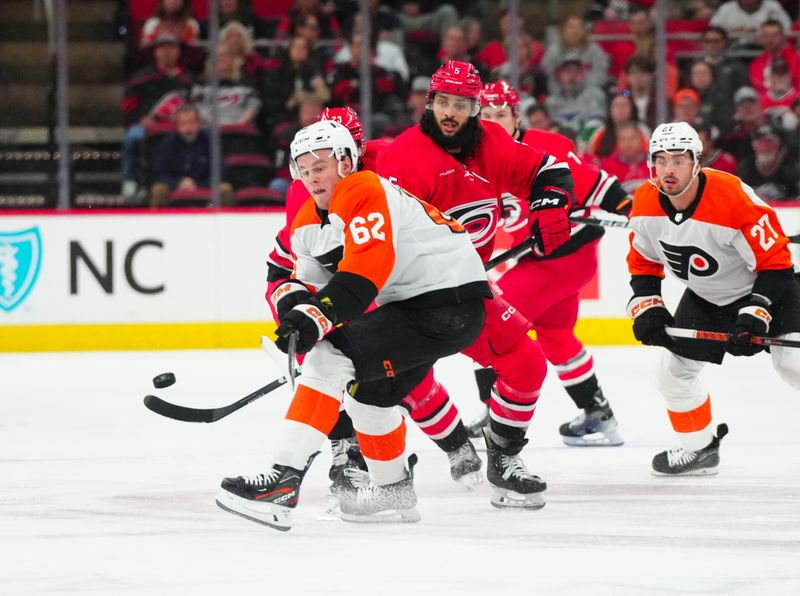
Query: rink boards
[193, 279]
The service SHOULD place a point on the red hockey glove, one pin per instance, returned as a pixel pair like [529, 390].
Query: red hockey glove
[287, 295]
[549, 219]
[753, 319]
[650, 317]
[309, 321]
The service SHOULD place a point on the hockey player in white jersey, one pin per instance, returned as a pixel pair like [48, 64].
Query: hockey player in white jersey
[361, 239]
[717, 237]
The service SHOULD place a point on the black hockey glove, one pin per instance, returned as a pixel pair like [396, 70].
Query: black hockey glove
[288, 295]
[549, 219]
[753, 319]
[650, 316]
[309, 320]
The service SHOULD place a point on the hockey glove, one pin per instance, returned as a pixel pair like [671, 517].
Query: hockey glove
[287, 295]
[309, 320]
[549, 219]
[650, 317]
[753, 319]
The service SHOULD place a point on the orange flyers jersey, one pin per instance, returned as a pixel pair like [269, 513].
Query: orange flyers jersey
[373, 229]
[717, 246]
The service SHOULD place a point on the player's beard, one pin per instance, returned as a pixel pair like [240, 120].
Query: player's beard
[464, 142]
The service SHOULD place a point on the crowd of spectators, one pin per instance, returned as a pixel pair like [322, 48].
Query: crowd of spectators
[732, 71]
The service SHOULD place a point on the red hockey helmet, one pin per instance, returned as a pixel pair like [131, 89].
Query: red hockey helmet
[346, 116]
[458, 78]
[500, 94]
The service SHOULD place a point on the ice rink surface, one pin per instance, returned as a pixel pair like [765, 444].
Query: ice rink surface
[101, 496]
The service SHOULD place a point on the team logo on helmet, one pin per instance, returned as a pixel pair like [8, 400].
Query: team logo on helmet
[346, 116]
[499, 94]
[458, 78]
[20, 259]
[684, 260]
[479, 219]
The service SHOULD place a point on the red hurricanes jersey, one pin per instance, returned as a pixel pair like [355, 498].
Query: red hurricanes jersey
[591, 183]
[717, 249]
[470, 192]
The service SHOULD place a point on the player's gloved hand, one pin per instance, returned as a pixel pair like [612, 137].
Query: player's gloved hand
[549, 219]
[309, 320]
[650, 317]
[287, 295]
[753, 319]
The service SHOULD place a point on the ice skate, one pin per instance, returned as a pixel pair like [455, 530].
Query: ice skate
[465, 466]
[512, 485]
[363, 501]
[683, 462]
[265, 498]
[476, 426]
[345, 453]
[595, 426]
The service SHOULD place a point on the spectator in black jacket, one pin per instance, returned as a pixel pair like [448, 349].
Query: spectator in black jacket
[184, 159]
[771, 170]
[152, 95]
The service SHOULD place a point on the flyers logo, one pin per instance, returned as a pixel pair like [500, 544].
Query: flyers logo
[479, 219]
[684, 260]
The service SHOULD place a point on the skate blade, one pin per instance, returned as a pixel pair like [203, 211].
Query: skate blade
[701, 472]
[598, 439]
[274, 516]
[391, 516]
[471, 481]
[508, 499]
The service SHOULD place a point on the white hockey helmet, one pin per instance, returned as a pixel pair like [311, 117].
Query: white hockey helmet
[674, 136]
[325, 134]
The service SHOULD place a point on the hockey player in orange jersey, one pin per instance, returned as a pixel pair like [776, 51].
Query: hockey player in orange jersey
[717, 237]
[361, 239]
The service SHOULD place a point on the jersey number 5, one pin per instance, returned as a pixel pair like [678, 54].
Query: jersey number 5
[765, 233]
[362, 231]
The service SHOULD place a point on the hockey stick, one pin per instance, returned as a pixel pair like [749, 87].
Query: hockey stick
[519, 250]
[722, 336]
[605, 222]
[185, 414]
[291, 352]
[525, 247]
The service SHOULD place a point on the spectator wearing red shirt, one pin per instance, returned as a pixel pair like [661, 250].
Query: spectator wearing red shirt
[603, 141]
[494, 53]
[629, 162]
[714, 157]
[773, 40]
[782, 91]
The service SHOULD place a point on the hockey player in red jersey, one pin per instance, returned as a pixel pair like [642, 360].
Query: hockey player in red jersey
[719, 239]
[361, 240]
[462, 166]
[545, 289]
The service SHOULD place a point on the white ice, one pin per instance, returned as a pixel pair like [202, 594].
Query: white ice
[100, 496]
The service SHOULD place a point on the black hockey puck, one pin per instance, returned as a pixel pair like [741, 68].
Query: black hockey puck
[164, 380]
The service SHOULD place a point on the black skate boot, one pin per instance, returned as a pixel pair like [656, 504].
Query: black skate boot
[345, 454]
[265, 498]
[465, 465]
[512, 485]
[682, 462]
[595, 426]
[363, 501]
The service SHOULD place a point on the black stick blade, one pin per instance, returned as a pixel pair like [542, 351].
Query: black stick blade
[176, 412]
